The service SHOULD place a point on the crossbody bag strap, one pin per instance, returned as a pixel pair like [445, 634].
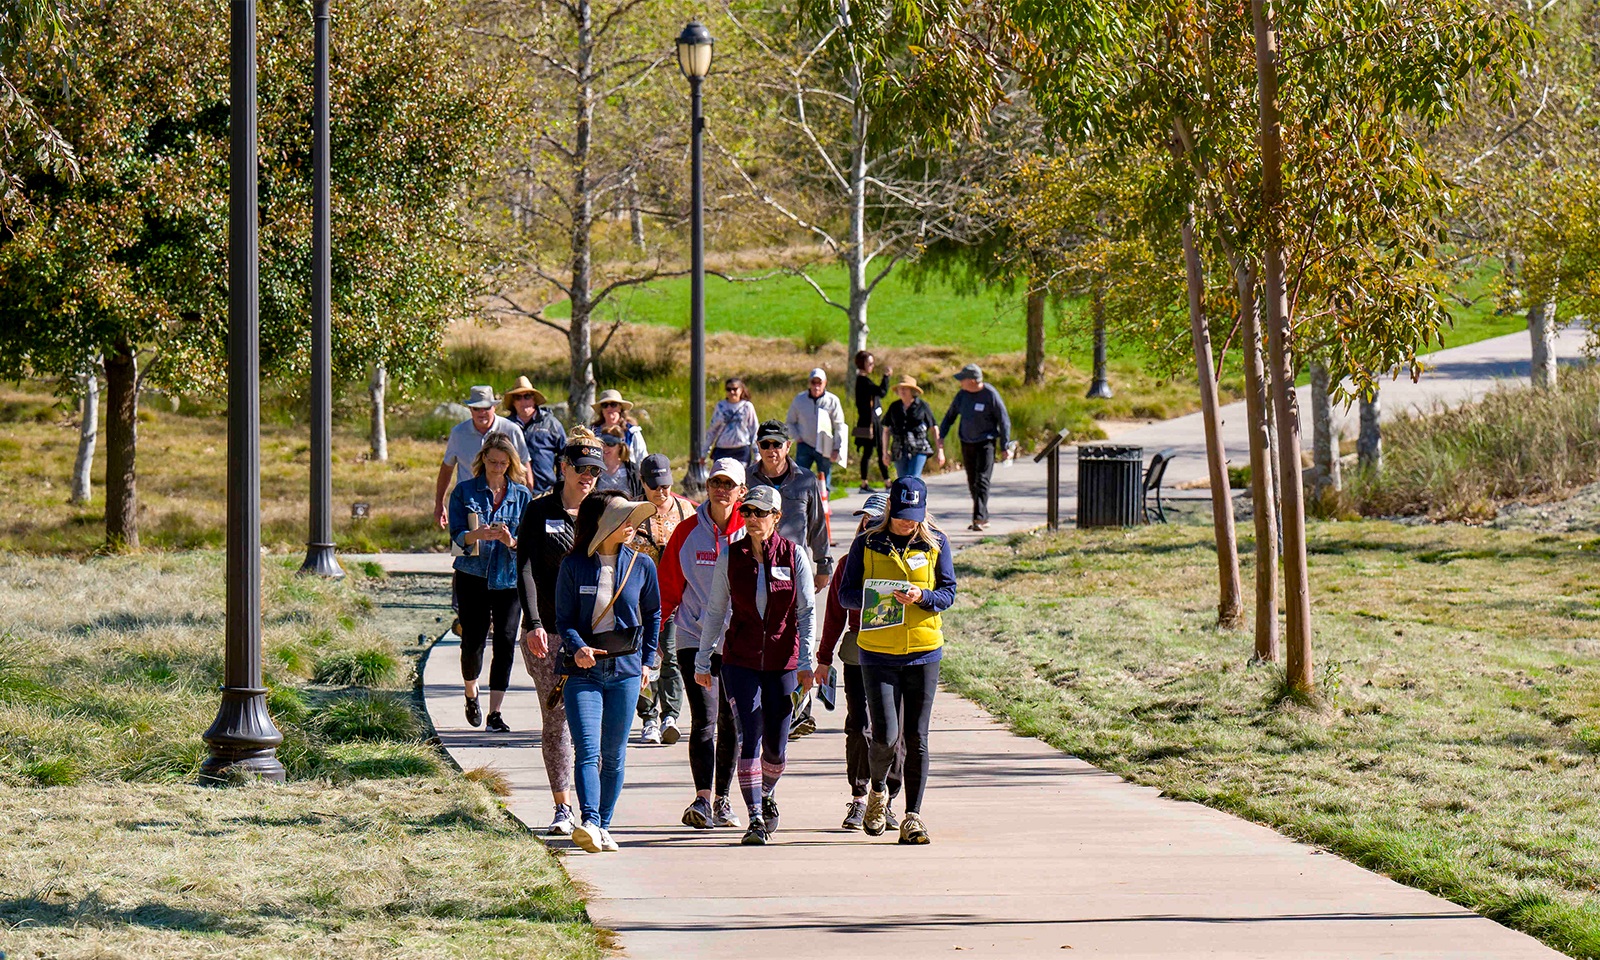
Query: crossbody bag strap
[615, 592]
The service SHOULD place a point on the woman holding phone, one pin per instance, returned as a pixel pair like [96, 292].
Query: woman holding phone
[483, 512]
[608, 610]
[762, 586]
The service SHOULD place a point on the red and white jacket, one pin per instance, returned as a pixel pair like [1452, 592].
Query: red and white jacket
[686, 569]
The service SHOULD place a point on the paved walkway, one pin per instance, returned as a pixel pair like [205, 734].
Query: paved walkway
[1034, 851]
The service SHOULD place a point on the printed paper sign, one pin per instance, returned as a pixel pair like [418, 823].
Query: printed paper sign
[880, 609]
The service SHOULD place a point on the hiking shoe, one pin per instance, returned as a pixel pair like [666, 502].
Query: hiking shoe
[854, 813]
[698, 814]
[865, 488]
[563, 823]
[496, 724]
[669, 731]
[889, 822]
[877, 808]
[756, 835]
[912, 830]
[611, 846]
[587, 837]
[722, 814]
[474, 715]
[651, 732]
[804, 726]
[769, 813]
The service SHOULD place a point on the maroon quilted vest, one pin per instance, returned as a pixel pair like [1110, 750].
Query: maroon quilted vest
[753, 641]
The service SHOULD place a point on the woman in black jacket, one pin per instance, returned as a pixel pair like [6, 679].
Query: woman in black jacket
[910, 431]
[869, 417]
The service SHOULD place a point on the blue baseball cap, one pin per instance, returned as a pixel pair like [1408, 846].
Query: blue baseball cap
[908, 499]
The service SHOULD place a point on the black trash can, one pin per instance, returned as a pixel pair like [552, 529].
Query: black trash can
[1110, 485]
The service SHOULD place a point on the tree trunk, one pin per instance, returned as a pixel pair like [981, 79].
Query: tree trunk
[88, 432]
[1324, 442]
[380, 432]
[580, 382]
[1230, 607]
[856, 256]
[1296, 582]
[1033, 366]
[1369, 445]
[635, 215]
[122, 437]
[1256, 404]
[1542, 331]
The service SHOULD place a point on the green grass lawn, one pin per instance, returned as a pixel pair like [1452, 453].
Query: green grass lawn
[1455, 743]
[376, 847]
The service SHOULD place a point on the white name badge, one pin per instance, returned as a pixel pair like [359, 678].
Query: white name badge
[917, 562]
[782, 573]
[555, 526]
[977, 406]
[588, 590]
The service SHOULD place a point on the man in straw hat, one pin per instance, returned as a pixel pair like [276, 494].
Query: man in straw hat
[466, 439]
[543, 433]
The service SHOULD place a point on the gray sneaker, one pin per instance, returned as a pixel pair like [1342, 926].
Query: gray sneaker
[854, 815]
[769, 814]
[699, 815]
[563, 824]
[722, 814]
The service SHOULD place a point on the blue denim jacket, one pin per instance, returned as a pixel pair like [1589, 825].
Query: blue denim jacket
[638, 608]
[495, 561]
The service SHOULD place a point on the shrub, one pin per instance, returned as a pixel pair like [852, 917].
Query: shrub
[362, 668]
[816, 336]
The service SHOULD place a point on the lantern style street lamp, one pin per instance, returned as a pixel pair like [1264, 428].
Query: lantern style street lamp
[694, 59]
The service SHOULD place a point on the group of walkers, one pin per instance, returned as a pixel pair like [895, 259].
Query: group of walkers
[626, 599]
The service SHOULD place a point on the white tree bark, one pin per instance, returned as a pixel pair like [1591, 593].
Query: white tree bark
[1542, 331]
[1324, 443]
[380, 433]
[88, 433]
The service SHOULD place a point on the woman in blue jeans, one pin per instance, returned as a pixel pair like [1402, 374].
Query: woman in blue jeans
[608, 612]
[910, 432]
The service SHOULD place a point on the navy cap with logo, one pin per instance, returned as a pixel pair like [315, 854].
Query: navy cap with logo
[908, 499]
[656, 470]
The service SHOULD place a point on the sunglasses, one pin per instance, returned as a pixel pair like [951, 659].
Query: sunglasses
[664, 486]
[772, 444]
[587, 471]
[720, 483]
[757, 512]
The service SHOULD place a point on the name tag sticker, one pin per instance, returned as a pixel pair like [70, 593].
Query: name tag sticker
[555, 526]
[705, 558]
[782, 573]
[917, 562]
[977, 406]
[587, 590]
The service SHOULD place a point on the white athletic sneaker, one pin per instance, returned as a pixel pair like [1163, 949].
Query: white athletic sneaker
[670, 733]
[607, 844]
[877, 805]
[588, 837]
[651, 732]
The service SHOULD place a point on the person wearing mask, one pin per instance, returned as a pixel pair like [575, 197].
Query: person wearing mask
[542, 433]
[543, 541]
[612, 411]
[686, 569]
[869, 418]
[816, 422]
[899, 574]
[840, 629]
[659, 709]
[608, 614]
[732, 432]
[760, 588]
[618, 472]
[907, 428]
[984, 424]
[483, 513]
[466, 439]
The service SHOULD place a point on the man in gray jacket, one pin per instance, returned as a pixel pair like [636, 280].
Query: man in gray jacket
[803, 521]
[817, 428]
[985, 423]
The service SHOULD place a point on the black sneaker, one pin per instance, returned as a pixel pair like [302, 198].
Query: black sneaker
[756, 834]
[805, 726]
[474, 715]
[889, 822]
[769, 813]
[854, 814]
[496, 724]
[698, 814]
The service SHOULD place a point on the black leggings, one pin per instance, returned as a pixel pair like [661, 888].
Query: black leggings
[481, 609]
[913, 688]
[869, 456]
[707, 726]
[857, 755]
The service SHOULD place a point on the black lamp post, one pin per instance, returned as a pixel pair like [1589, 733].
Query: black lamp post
[694, 59]
[320, 559]
[243, 738]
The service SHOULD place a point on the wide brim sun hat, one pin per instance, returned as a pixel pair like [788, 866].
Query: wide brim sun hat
[613, 396]
[620, 513]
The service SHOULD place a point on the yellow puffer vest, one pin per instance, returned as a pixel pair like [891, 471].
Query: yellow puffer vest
[917, 565]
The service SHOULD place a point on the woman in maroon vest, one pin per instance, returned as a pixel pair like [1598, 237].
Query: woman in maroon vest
[767, 652]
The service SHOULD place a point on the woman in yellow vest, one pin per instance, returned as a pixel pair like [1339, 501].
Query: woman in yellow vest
[899, 574]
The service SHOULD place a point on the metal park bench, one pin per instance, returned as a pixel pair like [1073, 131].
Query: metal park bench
[1152, 481]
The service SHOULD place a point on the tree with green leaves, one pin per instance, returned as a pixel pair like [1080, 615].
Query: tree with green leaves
[128, 260]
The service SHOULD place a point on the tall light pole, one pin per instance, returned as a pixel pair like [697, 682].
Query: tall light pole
[320, 559]
[243, 738]
[694, 59]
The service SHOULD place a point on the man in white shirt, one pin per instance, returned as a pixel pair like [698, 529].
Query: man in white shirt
[816, 421]
[466, 439]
